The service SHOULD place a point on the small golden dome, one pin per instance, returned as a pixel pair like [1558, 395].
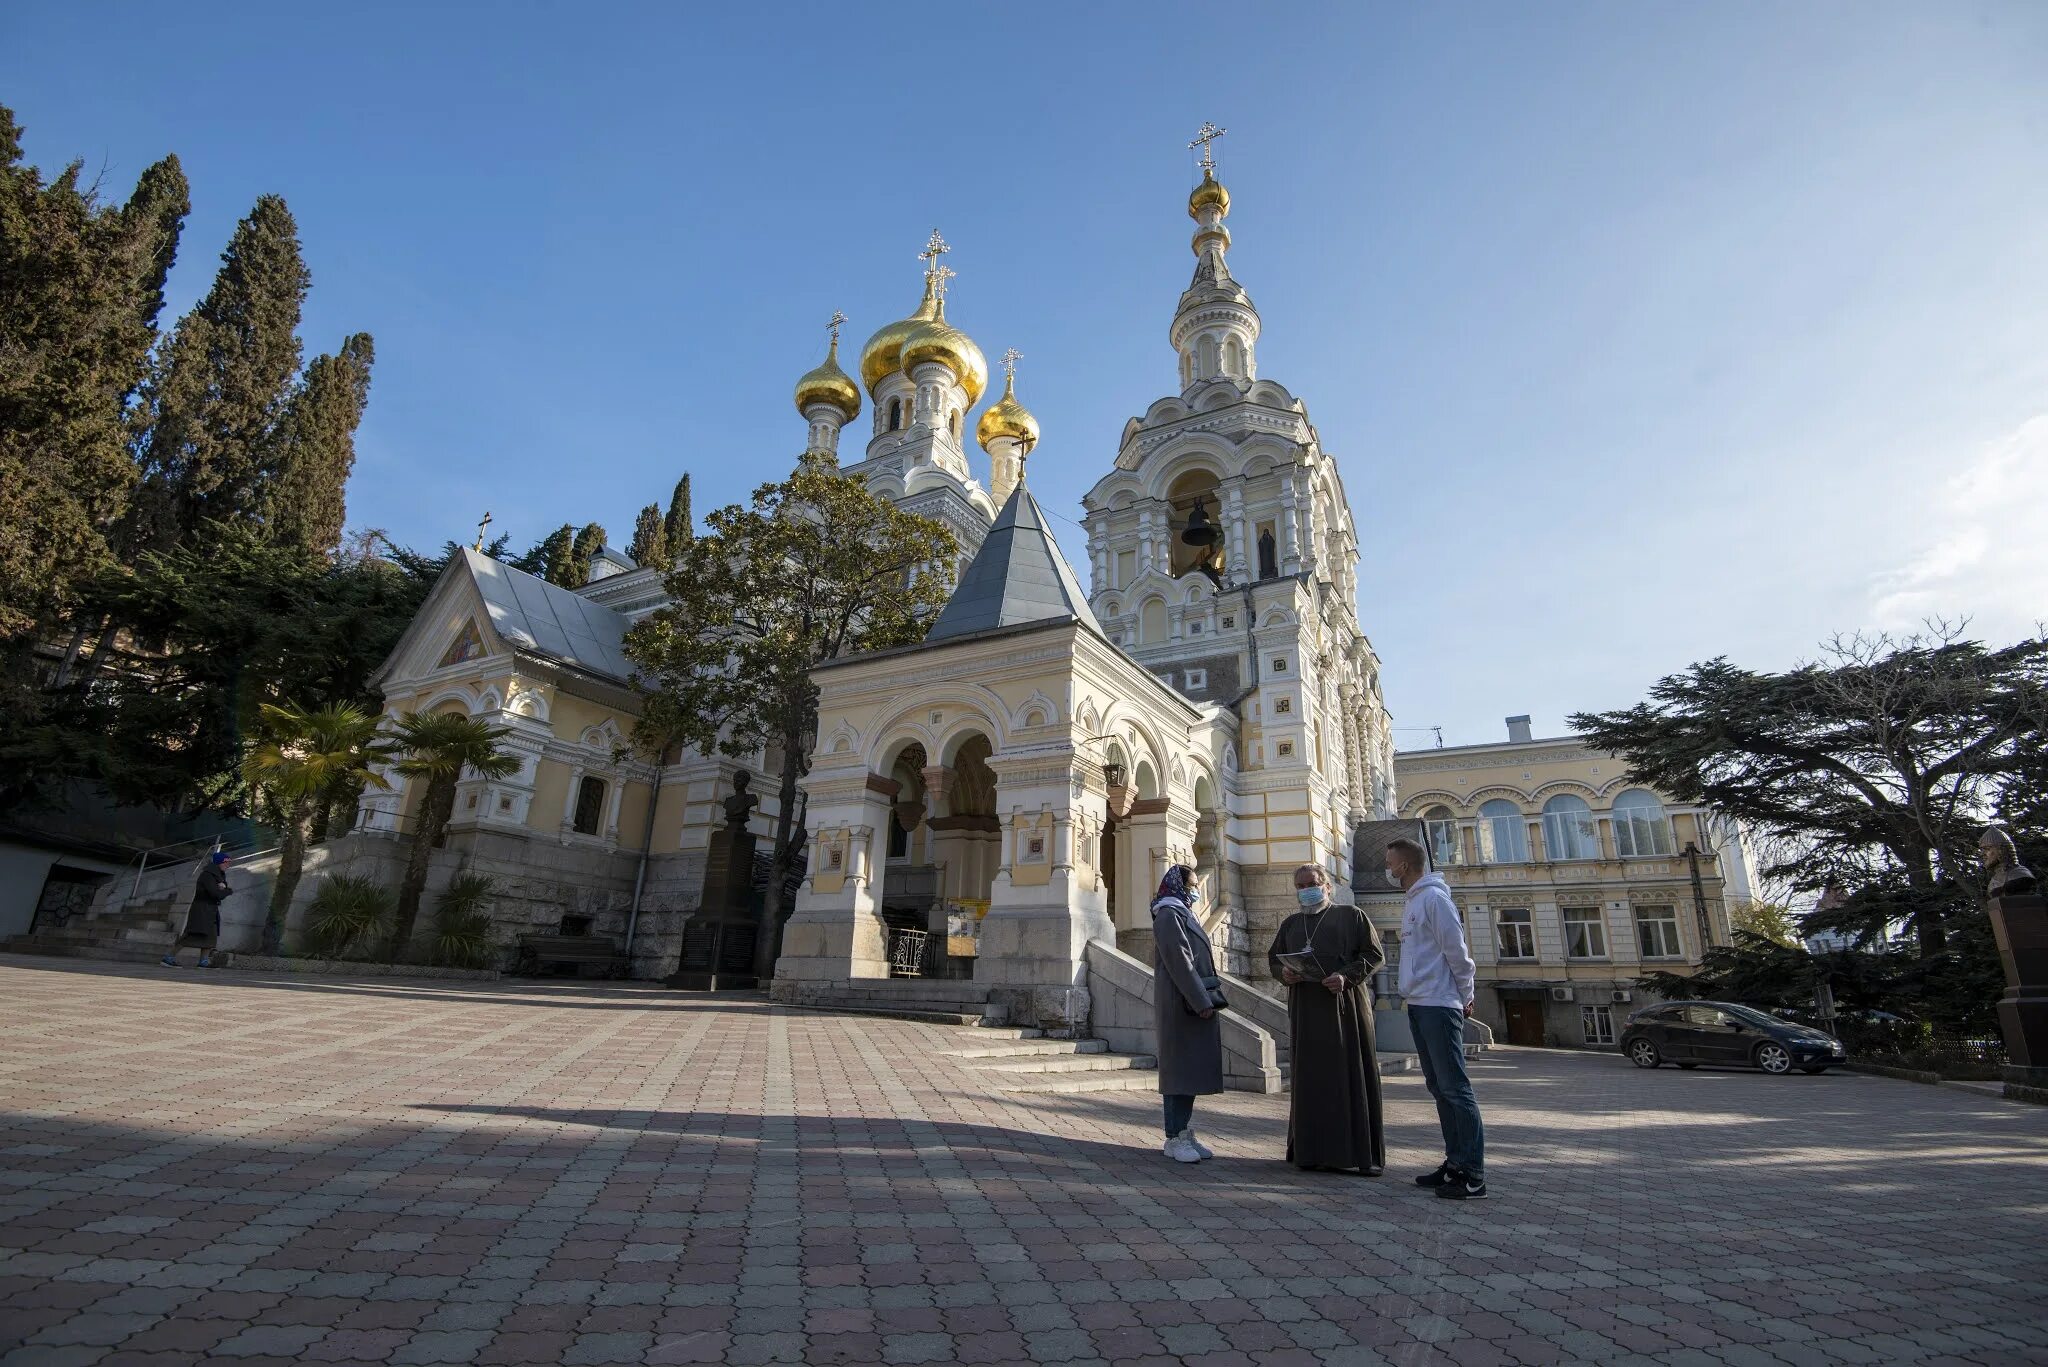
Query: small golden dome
[1209, 192]
[1007, 418]
[829, 384]
[939, 341]
[881, 357]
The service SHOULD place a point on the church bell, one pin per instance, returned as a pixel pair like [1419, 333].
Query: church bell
[1200, 530]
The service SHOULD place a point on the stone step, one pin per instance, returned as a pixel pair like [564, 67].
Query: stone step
[920, 1015]
[1064, 1083]
[1032, 1048]
[1073, 1063]
[999, 1032]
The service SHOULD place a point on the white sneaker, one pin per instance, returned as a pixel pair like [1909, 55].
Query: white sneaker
[1181, 1149]
[1200, 1147]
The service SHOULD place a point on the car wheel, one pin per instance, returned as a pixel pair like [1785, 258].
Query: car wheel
[1774, 1058]
[1815, 1068]
[1644, 1054]
[1688, 1066]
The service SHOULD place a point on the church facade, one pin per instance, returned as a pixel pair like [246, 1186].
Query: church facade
[982, 805]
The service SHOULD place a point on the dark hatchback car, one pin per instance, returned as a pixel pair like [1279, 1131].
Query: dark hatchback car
[1691, 1033]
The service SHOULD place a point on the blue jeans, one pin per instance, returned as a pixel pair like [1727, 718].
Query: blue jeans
[1440, 1042]
[1180, 1112]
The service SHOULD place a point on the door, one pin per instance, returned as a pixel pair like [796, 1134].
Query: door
[1717, 1036]
[1525, 1021]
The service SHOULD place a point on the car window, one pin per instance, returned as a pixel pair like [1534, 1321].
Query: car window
[1704, 1016]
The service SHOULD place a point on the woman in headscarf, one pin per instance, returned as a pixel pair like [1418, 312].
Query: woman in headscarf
[1186, 995]
[202, 921]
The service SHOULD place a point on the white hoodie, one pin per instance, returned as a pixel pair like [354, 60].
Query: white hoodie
[1436, 967]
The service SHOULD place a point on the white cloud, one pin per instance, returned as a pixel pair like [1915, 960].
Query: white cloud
[1985, 555]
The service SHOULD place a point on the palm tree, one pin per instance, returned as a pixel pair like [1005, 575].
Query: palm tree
[304, 760]
[438, 747]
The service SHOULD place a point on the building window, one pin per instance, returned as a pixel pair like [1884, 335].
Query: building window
[1197, 679]
[1640, 826]
[1598, 1024]
[1194, 628]
[1441, 829]
[1286, 748]
[1657, 933]
[895, 415]
[1585, 933]
[589, 806]
[1568, 829]
[1503, 834]
[1282, 706]
[1229, 623]
[1517, 930]
[1279, 665]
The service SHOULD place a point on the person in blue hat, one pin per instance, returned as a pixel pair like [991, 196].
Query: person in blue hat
[202, 918]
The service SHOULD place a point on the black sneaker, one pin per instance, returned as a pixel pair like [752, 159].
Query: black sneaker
[1461, 1186]
[1435, 1179]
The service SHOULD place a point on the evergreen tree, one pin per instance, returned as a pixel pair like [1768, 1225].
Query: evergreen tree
[650, 539]
[582, 551]
[676, 528]
[81, 284]
[210, 412]
[817, 568]
[551, 559]
[316, 447]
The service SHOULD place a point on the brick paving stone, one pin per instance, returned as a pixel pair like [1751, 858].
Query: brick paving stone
[497, 1173]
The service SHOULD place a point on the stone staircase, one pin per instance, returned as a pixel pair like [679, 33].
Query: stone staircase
[935, 1001]
[1025, 1060]
[137, 934]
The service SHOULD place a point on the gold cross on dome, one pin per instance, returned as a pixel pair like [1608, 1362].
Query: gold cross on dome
[933, 250]
[1206, 140]
[1009, 362]
[838, 318]
[939, 276]
[480, 530]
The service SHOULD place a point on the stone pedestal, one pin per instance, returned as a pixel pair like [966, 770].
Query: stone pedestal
[2020, 924]
[719, 939]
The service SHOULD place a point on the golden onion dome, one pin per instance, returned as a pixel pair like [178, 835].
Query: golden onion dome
[1007, 418]
[829, 384]
[1209, 192]
[879, 359]
[939, 341]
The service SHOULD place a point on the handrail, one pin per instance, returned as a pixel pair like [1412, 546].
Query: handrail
[240, 851]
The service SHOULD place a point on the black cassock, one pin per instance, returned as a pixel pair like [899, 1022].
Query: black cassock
[1334, 1116]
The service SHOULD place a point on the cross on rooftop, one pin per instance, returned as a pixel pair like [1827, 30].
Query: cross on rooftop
[838, 318]
[1206, 140]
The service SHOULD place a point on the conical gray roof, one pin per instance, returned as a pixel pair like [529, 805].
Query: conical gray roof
[1018, 576]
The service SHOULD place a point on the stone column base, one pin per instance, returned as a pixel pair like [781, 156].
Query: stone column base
[2026, 1084]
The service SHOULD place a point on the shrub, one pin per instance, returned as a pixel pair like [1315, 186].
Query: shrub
[347, 908]
[462, 922]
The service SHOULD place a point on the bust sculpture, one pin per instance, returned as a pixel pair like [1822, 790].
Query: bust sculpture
[2004, 874]
[741, 804]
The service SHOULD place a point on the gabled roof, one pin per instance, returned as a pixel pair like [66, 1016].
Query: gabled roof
[535, 617]
[1017, 577]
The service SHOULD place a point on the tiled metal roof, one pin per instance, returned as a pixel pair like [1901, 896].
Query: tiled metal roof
[1017, 576]
[542, 619]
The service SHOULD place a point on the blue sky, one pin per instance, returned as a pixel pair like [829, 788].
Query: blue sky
[1642, 333]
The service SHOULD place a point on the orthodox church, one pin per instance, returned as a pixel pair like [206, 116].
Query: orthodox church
[983, 805]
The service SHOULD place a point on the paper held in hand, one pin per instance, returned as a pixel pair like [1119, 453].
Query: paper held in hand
[1305, 965]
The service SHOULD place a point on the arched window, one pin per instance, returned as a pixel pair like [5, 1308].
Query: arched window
[1205, 352]
[895, 415]
[1442, 828]
[1503, 838]
[956, 424]
[589, 806]
[1187, 369]
[1568, 829]
[1640, 826]
[1152, 621]
[1233, 358]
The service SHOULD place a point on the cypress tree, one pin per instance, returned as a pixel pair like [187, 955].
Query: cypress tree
[650, 539]
[213, 402]
[588, 543]
[80, 288]
[316, 447]
[551, 558]
[676, 529]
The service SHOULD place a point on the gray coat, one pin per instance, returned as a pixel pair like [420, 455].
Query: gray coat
[1190, 1048]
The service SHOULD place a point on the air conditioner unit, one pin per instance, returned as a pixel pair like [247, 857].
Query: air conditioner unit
[1560, 994]
[1622, 994]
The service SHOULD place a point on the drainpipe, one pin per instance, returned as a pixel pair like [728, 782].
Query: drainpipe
[646, 849]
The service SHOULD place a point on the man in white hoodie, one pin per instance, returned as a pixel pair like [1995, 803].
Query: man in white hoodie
[1436, 983]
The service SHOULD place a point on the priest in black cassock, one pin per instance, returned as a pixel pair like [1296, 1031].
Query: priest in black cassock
[1334, 1117]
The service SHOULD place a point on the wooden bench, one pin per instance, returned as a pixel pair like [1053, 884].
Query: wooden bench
[569, 956]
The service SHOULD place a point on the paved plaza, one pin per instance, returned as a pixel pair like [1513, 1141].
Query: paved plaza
[228, 1167]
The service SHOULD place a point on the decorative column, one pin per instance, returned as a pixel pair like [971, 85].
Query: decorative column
[1240, 540]
[1290, 541]
[836, 935]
